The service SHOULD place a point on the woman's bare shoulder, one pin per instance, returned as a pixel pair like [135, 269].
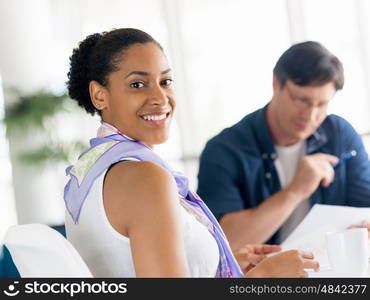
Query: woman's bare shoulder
[137, 191]
[135, 169]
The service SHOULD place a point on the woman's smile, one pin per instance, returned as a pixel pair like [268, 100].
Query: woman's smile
[156, 118]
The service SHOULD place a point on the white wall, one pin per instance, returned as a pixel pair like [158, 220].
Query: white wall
[27, 63]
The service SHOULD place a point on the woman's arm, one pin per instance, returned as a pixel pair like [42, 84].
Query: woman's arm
[141, 202]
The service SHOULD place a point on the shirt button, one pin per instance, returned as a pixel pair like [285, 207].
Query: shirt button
[273, 155]
[264, 156]
[268, 175]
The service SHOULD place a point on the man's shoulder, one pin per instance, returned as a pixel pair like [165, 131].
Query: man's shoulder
[338, 132]
[336, 124]
[335, 119]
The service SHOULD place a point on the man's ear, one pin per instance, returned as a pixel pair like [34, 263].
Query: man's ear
[98, 95]
[276, 86]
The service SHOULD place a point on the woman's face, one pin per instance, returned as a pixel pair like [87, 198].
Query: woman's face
[139, 98]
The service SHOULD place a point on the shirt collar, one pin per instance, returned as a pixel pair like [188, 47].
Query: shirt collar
[316, 140]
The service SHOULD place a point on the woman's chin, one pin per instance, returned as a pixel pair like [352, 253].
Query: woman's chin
[155, 140]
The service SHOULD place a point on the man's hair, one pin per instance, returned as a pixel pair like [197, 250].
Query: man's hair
[309, 63]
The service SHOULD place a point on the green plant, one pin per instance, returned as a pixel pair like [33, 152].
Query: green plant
[33, 112]
[52, 153]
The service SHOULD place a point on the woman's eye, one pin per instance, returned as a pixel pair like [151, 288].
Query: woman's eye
[137, 85]
[166, 82]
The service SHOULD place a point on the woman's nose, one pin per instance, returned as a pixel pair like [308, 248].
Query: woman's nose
[158, 95]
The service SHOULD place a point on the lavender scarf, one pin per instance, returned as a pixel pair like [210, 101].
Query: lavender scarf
[112, 147]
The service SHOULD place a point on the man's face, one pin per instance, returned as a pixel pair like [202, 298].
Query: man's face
[297, 111]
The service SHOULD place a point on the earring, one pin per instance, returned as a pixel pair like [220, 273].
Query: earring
[97, 105]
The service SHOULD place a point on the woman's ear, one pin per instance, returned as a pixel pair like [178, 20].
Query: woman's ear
[98, 95]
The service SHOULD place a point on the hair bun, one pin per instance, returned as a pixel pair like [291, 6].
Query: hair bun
[78, 75]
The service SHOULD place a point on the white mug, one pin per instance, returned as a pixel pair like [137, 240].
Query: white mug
[348, 252]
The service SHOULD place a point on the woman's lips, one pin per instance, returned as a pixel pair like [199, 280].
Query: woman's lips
[156, 119]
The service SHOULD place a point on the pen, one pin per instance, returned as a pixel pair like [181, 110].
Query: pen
[345, 156]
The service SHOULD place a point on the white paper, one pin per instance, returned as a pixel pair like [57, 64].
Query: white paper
[310, 233]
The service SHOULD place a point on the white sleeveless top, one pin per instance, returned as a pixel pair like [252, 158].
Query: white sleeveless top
[107, 252]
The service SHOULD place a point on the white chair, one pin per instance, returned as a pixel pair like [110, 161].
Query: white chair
[40, 251]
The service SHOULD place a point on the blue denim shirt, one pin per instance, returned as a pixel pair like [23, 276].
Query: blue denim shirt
[237, 169]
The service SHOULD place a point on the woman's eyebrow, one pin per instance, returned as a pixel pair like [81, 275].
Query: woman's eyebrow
[166, 71]
[137, 73]
[143, 73]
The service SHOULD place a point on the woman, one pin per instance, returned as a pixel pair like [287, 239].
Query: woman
[129, 214]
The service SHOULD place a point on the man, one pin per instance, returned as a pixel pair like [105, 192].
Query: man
[261, 176]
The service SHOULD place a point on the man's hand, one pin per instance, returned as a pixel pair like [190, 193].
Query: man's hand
[311, 170]
[364, 224]
[250, 255]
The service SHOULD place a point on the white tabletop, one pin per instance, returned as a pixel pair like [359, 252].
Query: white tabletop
[326, 271]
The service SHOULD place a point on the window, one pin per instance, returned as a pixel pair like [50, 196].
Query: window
[7, 209]
[339, 26]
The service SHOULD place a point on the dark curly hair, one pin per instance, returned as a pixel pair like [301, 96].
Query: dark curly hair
[309, 63]
[96, 57]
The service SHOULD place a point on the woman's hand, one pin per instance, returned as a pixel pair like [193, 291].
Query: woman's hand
[250, 255]
[286, 264]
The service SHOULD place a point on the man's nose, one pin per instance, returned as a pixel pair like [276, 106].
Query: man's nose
[310, 113]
